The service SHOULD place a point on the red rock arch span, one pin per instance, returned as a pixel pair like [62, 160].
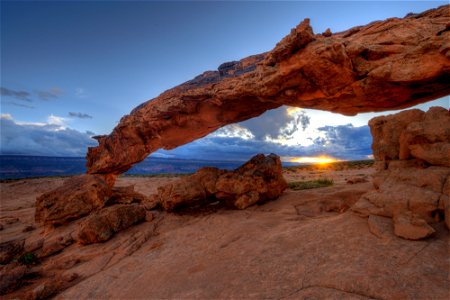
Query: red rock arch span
[388, 64]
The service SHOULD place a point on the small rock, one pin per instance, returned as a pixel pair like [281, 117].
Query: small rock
[411, 227]
[327, 33]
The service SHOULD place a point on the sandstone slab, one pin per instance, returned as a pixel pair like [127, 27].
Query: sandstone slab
[77, 197]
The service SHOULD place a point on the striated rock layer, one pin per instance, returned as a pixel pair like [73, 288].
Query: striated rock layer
[388, 64]
[412, 153]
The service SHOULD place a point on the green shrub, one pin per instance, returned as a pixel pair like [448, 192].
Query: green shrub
[28, 259]
[311, 184]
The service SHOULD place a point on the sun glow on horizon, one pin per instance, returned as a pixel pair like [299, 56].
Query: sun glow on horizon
[321, 159]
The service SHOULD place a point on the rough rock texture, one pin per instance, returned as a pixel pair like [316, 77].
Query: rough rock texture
[77, 197]
[126, 195]
[257, 180]
[411, 186]
[303, 245]
[10, 276]
[388, 64]
[101, 226]
[10, 250]
[410, 226]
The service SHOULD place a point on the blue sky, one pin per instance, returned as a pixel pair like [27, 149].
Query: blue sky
[72, 69]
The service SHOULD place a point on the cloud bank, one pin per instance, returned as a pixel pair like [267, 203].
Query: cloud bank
[51, 138]
[274, 132]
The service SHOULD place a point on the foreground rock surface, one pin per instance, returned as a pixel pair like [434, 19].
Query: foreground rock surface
[411, 185]
[303, 245]
[257, 180]
[388, 64]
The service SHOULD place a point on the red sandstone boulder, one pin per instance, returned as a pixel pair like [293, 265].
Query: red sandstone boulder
[386, 131]
[102, 225]
[412, 152]
[428, 139]
[77, 197]
[257, 180]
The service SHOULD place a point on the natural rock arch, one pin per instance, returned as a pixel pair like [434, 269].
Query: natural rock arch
[389, 64]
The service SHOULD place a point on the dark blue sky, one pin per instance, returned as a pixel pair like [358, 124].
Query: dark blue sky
[80, 66]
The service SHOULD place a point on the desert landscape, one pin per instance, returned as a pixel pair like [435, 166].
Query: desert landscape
[363, 237]
[376, 229]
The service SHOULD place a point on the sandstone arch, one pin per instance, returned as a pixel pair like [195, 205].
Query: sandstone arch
[388, 64]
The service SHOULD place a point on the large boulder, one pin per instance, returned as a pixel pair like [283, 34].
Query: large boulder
[257, 180]
[102, 225]
[386, 131]
[411, 150]
[77, 197]
[428, 138]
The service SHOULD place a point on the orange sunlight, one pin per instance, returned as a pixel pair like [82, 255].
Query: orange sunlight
[322, 159]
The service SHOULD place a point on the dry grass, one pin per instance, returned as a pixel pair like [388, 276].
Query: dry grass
[311, 184]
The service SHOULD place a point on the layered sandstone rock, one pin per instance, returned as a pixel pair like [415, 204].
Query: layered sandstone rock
[102, 225]
[412, 186]
[388, 64]
[257, 180]
[77, 197]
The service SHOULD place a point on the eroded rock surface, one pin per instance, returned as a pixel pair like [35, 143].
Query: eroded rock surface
[257, 180]
[411, 185]
[77, 197]
[102, 225]
[305, 244]
[388, 64]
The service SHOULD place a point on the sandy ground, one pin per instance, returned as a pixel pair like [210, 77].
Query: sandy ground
[306, 244]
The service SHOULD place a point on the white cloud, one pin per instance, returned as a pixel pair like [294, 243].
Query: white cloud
[6, 116]
[56, 120]
[51, 139]
[234, 130]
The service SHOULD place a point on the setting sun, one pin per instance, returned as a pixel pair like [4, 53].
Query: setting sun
[322, 159]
